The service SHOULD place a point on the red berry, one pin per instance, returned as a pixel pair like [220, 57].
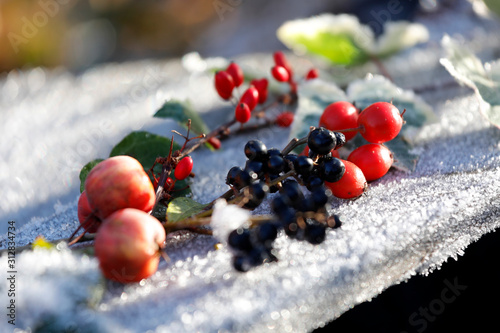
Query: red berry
[373, 159]
[183, 168]
[380, 122]
[128, 245]
[242, 113]
[169, 182]
[237, 74]
[250, 97]
[116, 183]
[224, 84]
[87, 219]
[339, 116]
[351, 185]
[261, 86]
[281, 60]
[280, 73]
[285, 119]
[312, 74]
[214, 142]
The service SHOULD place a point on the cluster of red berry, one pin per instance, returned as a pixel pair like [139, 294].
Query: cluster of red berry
[226, 81]
[378, 123]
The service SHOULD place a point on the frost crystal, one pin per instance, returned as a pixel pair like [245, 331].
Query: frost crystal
[226, 218]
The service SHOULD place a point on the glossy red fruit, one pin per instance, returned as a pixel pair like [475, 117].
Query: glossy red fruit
[338, 116]
[312, 74]
[380, 122]
[373, 159]
[285, 119]
[261, 86]
[128, 245]
[183, 168]
[214, 142]
[87, 219]
[168, 183]
[224, 84]
[236, 73]
[250, 97]
[242, 113]
[351, 185]
[281, 60]
[116, 183]
[280, 73]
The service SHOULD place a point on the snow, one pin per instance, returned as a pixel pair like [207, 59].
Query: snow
[406, 224]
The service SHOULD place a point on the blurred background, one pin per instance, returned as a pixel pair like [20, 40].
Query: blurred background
[77, 34]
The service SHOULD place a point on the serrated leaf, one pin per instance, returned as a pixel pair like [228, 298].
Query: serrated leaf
[468, 70]
[314, 96]
[182, 208]
[343, 40]
[181, 112]
[144, 146]
[378, 88]
[85, 171]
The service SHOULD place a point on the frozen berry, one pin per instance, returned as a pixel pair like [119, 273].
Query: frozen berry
[183, 168]
[250, 97]
[242, 113]
[236, 73]
[351, 185]
[331, 169]
[224, 84]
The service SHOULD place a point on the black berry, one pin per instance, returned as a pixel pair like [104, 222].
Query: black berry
[321, 141]
[303, 165]
[331, 169]
[255, 150]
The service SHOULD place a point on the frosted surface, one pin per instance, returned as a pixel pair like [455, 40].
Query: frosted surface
[405, 224]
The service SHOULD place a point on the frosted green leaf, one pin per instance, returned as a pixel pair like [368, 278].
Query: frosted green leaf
[85, 172]
[343, 40]
[468, 70]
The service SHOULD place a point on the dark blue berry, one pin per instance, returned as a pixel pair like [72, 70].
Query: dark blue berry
[266, 233]
[255, 167]
[257, 193]
[280, 204]
[255, 150]
[319, 197]
[244, 178]
[232, 174]
[315, 233]
[340, 137]
[242, 263]
[321, 141]
[274, 152]
[313, 182]
[331, 169]
[334, 222]
[273, 188]
[240, 239]
[289, 159]
[291, 190]
[275, 164]
[303, 165]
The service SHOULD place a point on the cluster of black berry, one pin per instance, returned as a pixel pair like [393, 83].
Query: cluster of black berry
[301, 217]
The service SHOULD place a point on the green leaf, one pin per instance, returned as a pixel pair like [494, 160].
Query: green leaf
[144, 146]
[85, 171]
[181, 112]
[468, 70]
[314, 97]
[404, 159]
[493, 5]
[343, 40]
[182, 208]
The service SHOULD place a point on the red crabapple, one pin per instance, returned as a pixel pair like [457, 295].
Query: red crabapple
[373, 159]
[116, 183]
[87, 219]
[128, 245]
[351, 185]
[339, 116]
[380, 122]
